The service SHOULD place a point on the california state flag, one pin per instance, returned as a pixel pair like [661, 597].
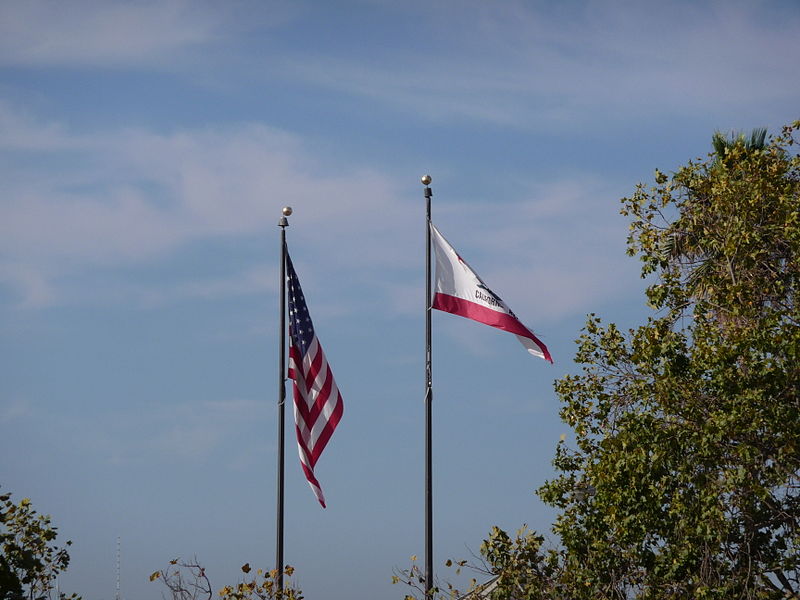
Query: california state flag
[460, 291]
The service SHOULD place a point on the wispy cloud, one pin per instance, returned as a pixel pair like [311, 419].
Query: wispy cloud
[134, 196]
[179, 288]
[30, 283]
[14, 409]
[545, 67]
[42, 32]
[249, 281]
[538, 66]
[172, 433]
[194, 431]
[102, 32]
[120, 197]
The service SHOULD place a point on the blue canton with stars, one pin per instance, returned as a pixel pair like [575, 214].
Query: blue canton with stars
[301, 329]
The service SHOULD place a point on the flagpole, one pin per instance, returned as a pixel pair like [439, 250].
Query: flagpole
[426, 180]
[283, 223]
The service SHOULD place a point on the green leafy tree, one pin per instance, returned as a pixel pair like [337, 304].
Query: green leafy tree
[688, 428]
[30, 561]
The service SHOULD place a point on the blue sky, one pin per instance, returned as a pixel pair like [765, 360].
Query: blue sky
[147, 149]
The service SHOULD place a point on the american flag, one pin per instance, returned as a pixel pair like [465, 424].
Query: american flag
[318, 405]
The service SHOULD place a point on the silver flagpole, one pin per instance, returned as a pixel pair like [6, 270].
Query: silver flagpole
[426, 180]
[283, 223]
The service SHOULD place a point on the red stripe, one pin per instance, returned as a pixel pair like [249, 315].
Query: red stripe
[322, 398]
[314, 452]
[306, 458]
[313, 369]
[307, 413]
[309, 473]
[304, 451]
[302, 380]
[294, 361]
[487, 316]
[327, 431]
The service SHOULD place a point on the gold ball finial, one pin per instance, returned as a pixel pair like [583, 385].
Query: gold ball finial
[287, 210]
[425, 179]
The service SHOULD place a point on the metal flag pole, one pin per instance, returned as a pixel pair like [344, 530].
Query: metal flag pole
[426, 180]
[283, 223]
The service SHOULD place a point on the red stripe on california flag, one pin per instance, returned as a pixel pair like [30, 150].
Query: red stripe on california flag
[487, 316]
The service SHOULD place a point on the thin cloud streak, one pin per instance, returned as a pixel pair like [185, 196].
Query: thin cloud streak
[620, 61]
[158, 193]
[181, 432]
[133, 196]
[536, 67]
[113, 33]
[46, 33]
[258, 280]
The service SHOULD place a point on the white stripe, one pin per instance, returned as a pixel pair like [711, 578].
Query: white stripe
[317, 492]
[310, 432]
[322, 420]
[304, 460]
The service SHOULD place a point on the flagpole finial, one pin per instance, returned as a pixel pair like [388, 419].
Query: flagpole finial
[426, 179]
[284, 222]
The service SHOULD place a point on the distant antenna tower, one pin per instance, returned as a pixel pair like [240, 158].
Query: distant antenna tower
[119, 597]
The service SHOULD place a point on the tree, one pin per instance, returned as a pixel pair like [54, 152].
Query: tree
[187, 580]
[510, 569]
[684, 480]
[30, 561]
[688, 428]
